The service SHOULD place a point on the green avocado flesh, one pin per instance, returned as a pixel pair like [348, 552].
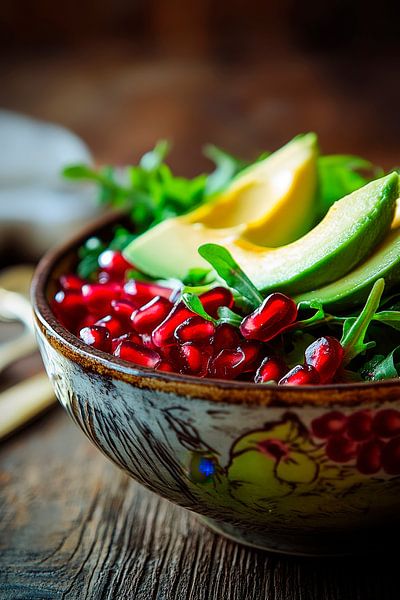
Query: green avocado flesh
[353, 288]
[349, 232]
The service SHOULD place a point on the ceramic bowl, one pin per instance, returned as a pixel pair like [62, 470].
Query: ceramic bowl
[303, 470]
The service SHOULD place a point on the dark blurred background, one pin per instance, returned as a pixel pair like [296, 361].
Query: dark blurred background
[246, 75]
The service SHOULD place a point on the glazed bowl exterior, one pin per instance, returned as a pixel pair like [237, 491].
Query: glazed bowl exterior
[269, 466]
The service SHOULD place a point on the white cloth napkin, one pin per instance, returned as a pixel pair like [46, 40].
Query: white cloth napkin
[37, 207]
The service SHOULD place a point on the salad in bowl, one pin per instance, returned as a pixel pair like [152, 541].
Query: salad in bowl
[270, 278]
[231, 341]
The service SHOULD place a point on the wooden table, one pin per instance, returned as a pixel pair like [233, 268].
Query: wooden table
[71, 525]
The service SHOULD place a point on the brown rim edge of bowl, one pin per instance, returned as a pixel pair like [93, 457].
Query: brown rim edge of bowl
[231, 392]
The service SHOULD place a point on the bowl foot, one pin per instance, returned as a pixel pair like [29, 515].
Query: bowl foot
[307, 545]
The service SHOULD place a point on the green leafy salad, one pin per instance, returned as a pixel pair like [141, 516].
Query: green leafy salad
[284, 270]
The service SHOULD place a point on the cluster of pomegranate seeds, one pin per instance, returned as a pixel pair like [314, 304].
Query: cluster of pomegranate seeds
[149, 325]
[322, 360]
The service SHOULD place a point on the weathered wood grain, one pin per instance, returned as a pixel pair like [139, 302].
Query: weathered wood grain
[73, 526]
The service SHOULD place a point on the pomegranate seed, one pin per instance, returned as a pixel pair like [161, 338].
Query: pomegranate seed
[123, 309]
[226, 337]
[68, 301]
[192, 358]
[274, 315]
[113, 325]
[146, 291]
[369, 458]
[171, 354]
[87, 321]
[386, 423]
[139, 355]
[164, 333]
[114, 264]
[228, 364]
[132, 337]
[71, 282]
[325, 355]
[68, 308]
[271, 369]
[98, 296]
[147, 341]
[165, 366]
[251, 352]
[330, 423]
[146, 318]
[300, 375]
[104, 277]
[213, 299]
[340, 449]
[195, 329]
[98, 337]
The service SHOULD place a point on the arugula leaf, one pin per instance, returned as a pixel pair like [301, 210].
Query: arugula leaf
[226, 315]
[320, 317]
[197, 289]
[153, 159]
[148, 191]
[341, 174]
[122, 237]
[389, 317]
[88, 257]
[194, 304]
[227, 268]
[80, 171]
[300, 341]
[381, 367]
[197, 276]
[138, 275]
[354, 331]
[316, 319]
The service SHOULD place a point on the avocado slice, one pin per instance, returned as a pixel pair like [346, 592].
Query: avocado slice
[353, 288]
[272, 202]
[349, 232]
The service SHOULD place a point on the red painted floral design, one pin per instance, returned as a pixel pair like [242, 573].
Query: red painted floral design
[371, 439]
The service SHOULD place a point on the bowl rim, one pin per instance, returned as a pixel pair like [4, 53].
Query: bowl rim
[231, 392]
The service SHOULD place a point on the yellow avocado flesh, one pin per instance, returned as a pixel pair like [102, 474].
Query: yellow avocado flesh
[349, 232]
[270, 203]
[273, 201]
[396, 220]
